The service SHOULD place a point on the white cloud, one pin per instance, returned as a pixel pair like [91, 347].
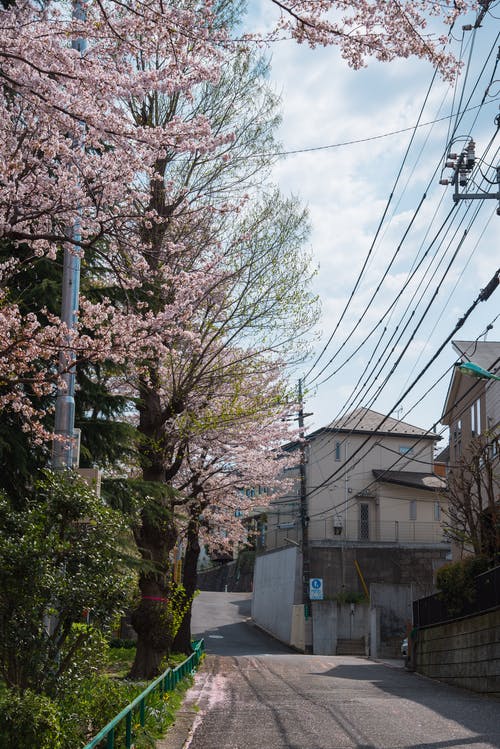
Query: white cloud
[346, 190]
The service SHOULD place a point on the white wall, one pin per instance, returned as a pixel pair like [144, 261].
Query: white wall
[276, 589]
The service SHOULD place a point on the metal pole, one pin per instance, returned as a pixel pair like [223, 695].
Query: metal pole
[304, 516]
[64, 421]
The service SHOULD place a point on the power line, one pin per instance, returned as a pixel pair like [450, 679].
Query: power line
[458, 119]
[394, 302]
[483, 295]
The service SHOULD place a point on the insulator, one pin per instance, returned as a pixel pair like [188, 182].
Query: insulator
[470, 155]
[450, 165]
[453, 156]
[444, 181]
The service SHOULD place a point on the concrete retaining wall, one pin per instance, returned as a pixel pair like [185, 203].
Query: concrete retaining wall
[465, 653]
[276, 590]
[226, 576]
[332, 621]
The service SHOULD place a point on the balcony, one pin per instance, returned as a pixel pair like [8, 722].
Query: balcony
[323, 530]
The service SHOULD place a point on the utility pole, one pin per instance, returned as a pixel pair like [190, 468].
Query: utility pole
[64, 421]
[304, 519]
[462, 165]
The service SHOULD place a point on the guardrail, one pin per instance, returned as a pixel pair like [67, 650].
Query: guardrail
[164, 683]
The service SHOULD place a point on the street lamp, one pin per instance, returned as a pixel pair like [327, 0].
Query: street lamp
[474, 370]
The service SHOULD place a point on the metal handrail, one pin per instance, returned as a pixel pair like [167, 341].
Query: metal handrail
[167, 681]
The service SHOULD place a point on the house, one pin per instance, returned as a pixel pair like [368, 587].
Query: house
[369, 522]
[472, 405]
[364, 482]
[472, 413]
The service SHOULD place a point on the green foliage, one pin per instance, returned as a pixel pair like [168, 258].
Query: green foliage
[88, 658]
[29, 720]
[60, 562]
[179, 604]
[107, 438]
[456, 582]
[120, 659]
[160, 714]
[81, 710]
[246, 561]
[131, 495]
[90, 705]
[349, 596]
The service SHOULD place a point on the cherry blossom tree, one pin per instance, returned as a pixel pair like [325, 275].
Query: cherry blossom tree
[130, 142]
[231, 468]
[366, 29]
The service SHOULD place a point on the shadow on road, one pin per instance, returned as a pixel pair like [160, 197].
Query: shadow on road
[242, 639]
[478, 714]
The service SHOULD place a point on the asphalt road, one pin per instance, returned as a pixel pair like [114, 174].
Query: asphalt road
[254, 693]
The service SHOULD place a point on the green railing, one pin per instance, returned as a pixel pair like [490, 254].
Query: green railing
[164, 683]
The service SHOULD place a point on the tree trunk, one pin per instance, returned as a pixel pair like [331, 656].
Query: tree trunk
[152, 619]
[182, 641]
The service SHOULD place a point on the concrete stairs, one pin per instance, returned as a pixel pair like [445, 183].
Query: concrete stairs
[351, 647]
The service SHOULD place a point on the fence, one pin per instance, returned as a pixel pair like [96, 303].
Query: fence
[393, 531]
[164, 683]
[433, 610]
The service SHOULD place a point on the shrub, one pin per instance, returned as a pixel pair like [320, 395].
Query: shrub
[90, 706]
[349, 596]
[61, 558]
[29, 720]
[456, 585]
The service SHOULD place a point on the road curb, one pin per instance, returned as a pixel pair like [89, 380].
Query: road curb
[178, 733]
[181, 730]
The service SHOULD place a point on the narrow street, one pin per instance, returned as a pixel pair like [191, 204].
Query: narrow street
[254, 693]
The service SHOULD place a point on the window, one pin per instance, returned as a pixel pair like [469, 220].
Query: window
[337, 451]
[457, 439]
[475, 418]
[405, 450]
[364, 522]
[437, 511]
[413, 509]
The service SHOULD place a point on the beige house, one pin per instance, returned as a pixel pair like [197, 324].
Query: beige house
[368, 478]
[365, 523]
[472, 406]
[472, 413]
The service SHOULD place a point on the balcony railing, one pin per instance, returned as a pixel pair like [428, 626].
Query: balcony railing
[324, 529]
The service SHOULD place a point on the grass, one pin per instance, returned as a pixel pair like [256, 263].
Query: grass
[120, 660]
[121, 657]
[161, 710]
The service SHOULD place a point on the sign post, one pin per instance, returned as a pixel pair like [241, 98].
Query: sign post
[316, 588]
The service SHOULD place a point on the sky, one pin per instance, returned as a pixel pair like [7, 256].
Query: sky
[346, 189]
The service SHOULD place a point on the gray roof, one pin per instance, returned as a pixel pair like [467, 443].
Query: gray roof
[427, 481]
[484, 353]
[366, 420]
[443, 456]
